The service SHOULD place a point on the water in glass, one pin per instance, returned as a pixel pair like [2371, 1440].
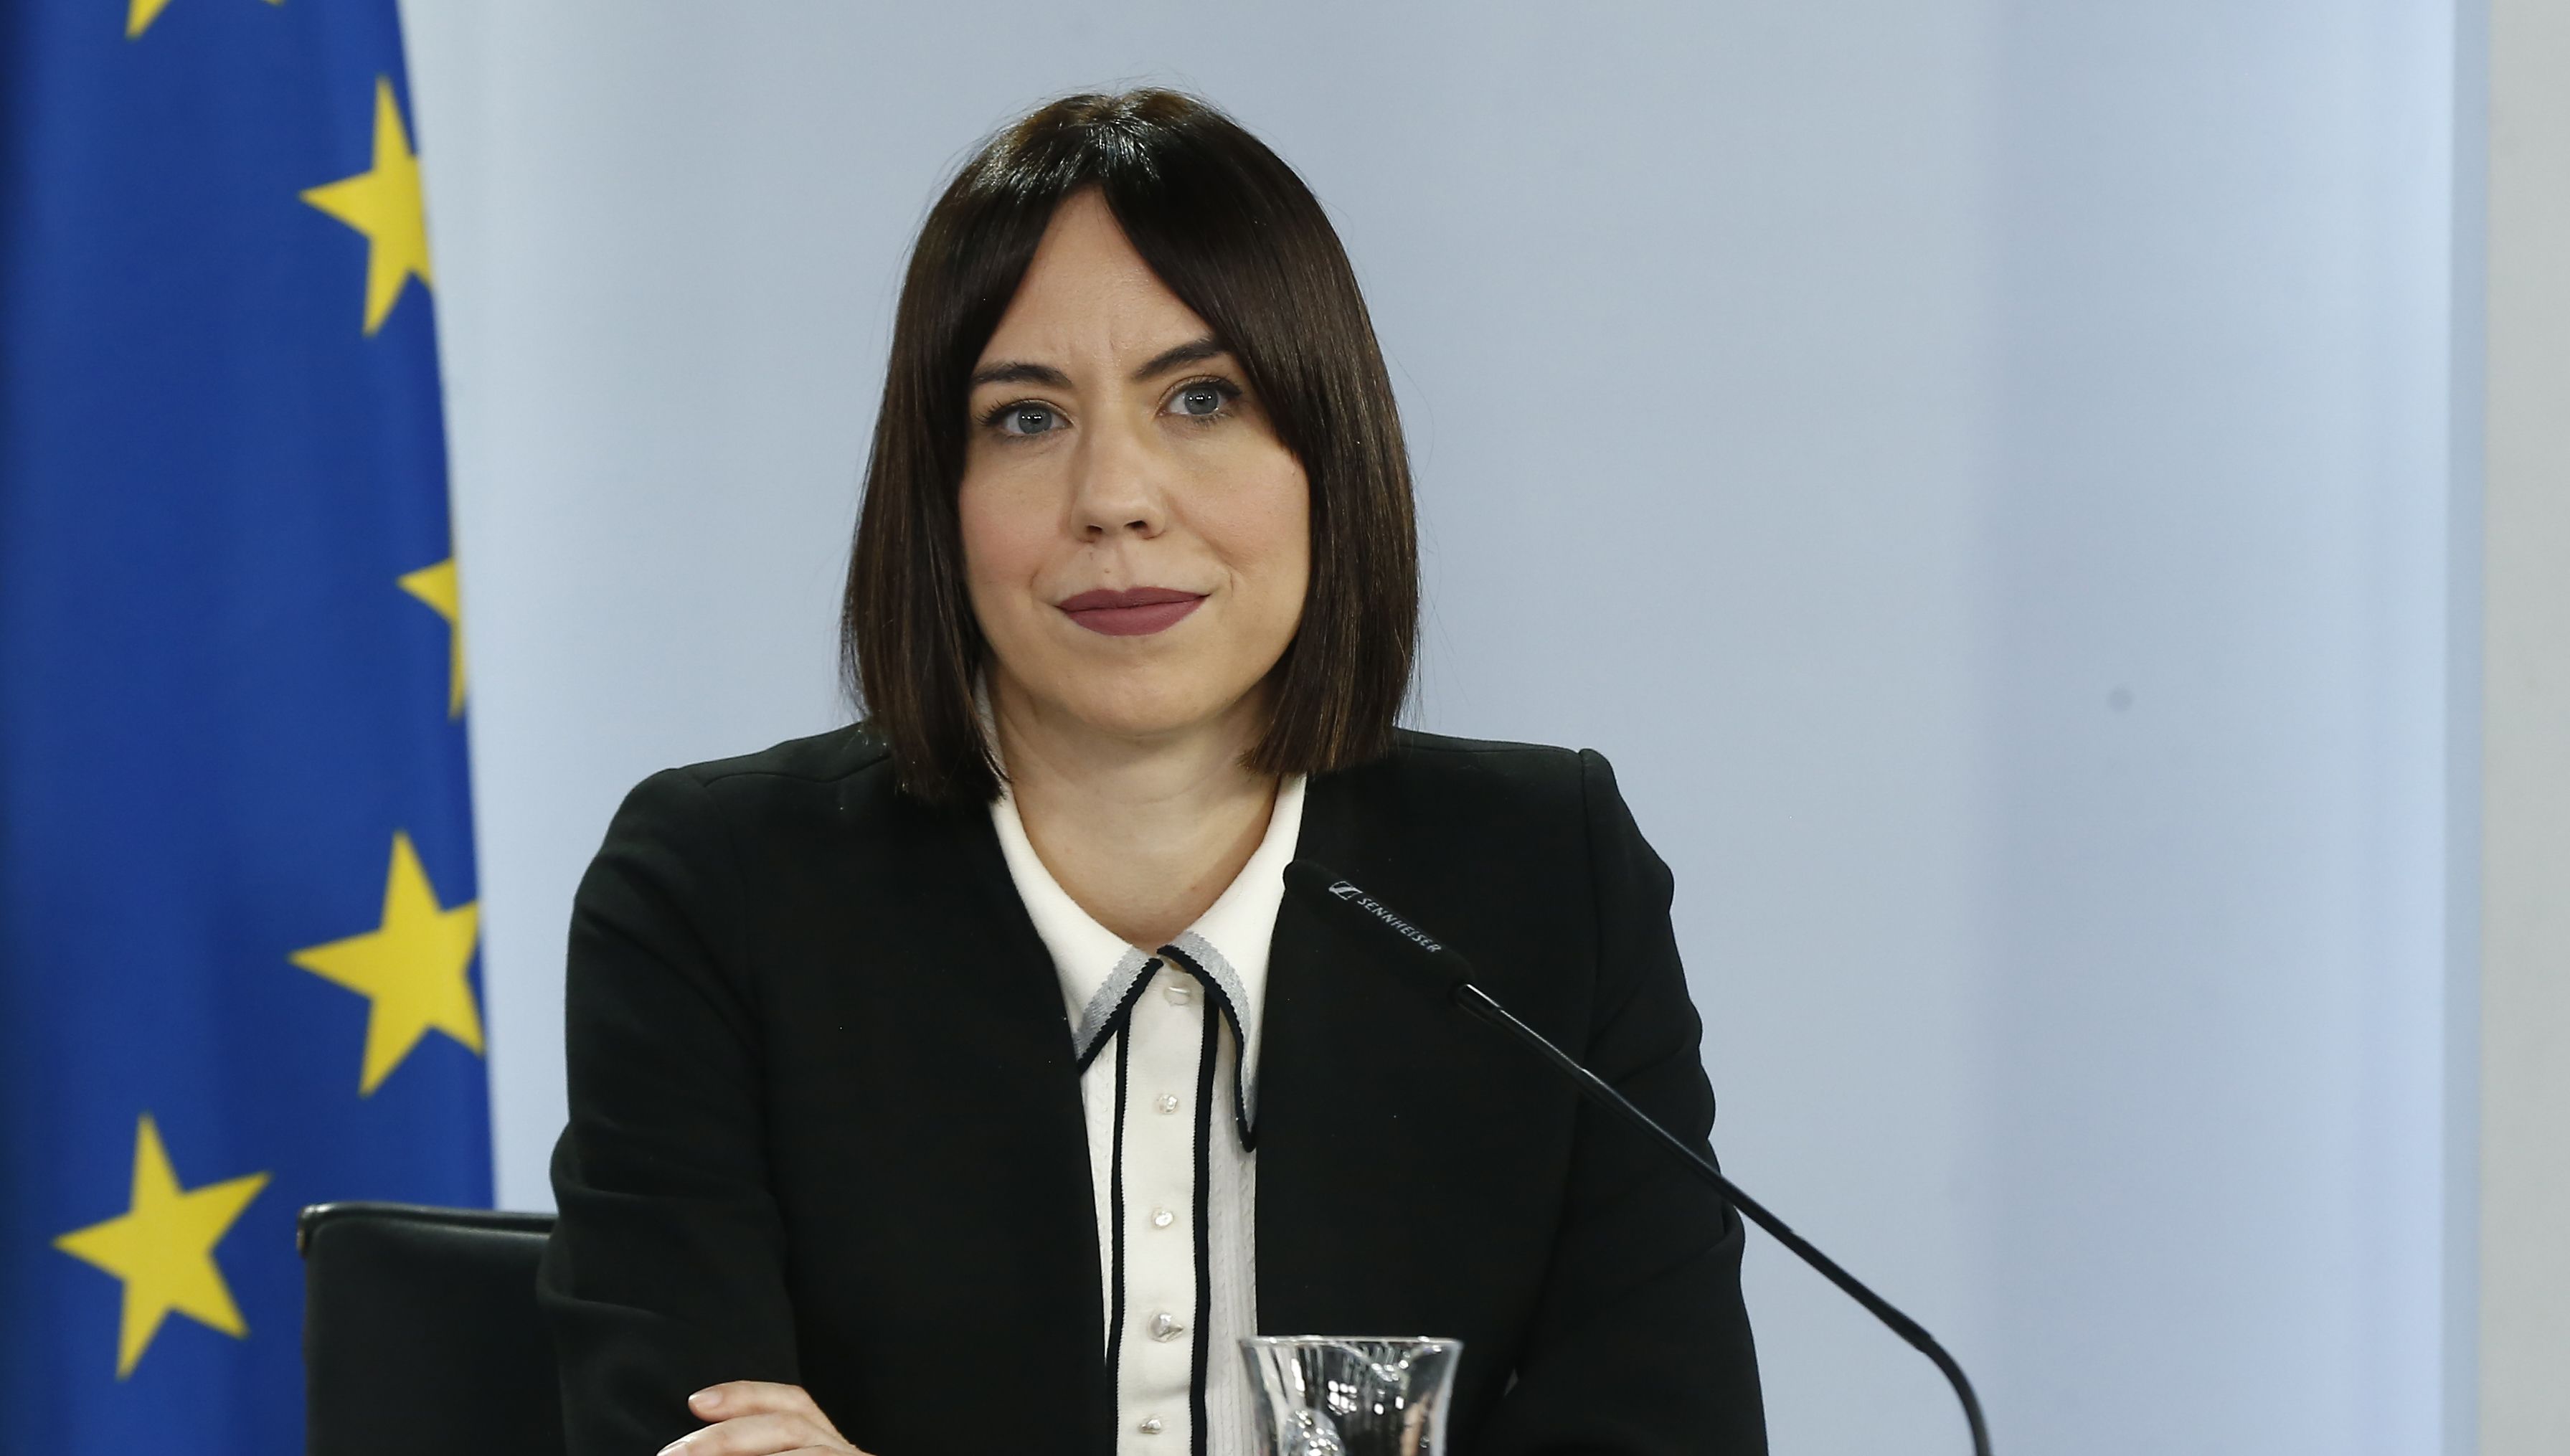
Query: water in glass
[1327, 1395]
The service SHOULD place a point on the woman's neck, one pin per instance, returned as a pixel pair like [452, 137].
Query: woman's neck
[1145, 836]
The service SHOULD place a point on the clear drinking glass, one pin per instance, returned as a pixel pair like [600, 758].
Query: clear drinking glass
[1328, 1395]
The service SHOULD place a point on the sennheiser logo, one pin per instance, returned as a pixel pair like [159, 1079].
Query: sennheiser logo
[1375, 907]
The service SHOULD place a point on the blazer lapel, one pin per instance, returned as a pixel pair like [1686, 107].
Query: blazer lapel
[1365, 1136]
[1015, 1051]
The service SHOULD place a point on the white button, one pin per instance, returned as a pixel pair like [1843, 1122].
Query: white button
[1150, 1425]
[1168, 1102]
[1165, 1326]
[1178, 995]
[1162, 1218]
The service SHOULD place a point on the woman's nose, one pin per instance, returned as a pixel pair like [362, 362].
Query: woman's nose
[1116, 487]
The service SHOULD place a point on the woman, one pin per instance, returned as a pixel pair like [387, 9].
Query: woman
[961, 1081]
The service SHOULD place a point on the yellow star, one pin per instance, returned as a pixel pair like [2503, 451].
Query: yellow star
[163, 1247]
[384, 205]
[139, 15]
[435, 585]
[412, 967]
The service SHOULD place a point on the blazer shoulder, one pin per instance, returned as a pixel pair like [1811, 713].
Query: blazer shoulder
[1549, 790]
[1529, 773]
[1475, 786]
[827, 757]
[843, 776]
[1415, 741]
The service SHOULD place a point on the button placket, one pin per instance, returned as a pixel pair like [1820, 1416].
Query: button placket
[1157, 1363]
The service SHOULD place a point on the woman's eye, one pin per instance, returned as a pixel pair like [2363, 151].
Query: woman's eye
[1200, 401]
[1027, 419]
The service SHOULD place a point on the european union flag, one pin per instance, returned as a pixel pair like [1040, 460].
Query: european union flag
[237, 888]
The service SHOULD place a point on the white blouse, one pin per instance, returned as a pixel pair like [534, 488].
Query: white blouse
[1172, 1107]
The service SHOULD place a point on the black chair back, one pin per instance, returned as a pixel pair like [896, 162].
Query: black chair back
[421, 1335]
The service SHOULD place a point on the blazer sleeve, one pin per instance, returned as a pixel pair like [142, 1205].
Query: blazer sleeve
[665, 1269]
[1640, 1342]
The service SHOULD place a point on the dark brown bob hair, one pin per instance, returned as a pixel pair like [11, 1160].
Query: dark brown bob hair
[1239, 239]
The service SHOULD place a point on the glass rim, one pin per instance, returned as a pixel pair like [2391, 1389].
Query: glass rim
[1351, 1339]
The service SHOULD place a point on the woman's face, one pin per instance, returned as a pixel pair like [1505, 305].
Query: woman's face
[1136, 540]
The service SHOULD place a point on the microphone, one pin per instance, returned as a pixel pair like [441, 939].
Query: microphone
[1344, 900]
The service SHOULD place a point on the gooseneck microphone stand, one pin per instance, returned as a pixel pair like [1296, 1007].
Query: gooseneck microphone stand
[1321, 886]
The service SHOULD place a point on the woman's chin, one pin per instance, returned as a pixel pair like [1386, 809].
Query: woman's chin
[1143, 711]
[1147, 726]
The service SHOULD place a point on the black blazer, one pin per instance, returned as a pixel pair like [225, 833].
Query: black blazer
[825, 1127]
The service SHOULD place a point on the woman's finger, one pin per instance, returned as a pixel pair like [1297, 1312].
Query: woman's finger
[767, 1434]
[756, 1397]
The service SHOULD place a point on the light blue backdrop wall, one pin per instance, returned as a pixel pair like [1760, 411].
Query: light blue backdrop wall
[1977, 469]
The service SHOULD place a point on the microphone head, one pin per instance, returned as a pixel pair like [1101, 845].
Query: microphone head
[1342, 900]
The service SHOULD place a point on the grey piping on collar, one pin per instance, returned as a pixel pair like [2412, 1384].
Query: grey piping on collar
[1202, 951]
[1107, 1007]
[1095, 1017]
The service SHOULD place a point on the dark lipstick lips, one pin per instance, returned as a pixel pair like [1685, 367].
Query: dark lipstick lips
[1133, 612]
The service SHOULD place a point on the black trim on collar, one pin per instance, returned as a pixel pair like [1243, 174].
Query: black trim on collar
[1116, 1020]
[1242, 1116]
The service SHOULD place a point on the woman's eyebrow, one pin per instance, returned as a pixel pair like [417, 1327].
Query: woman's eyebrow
[1021, 371]
[1193, 351]
[1014, 371]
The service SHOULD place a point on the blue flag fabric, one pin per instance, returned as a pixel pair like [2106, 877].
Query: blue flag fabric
[237, 926]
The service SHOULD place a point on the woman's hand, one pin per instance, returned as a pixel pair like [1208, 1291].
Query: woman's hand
[759, 1418]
